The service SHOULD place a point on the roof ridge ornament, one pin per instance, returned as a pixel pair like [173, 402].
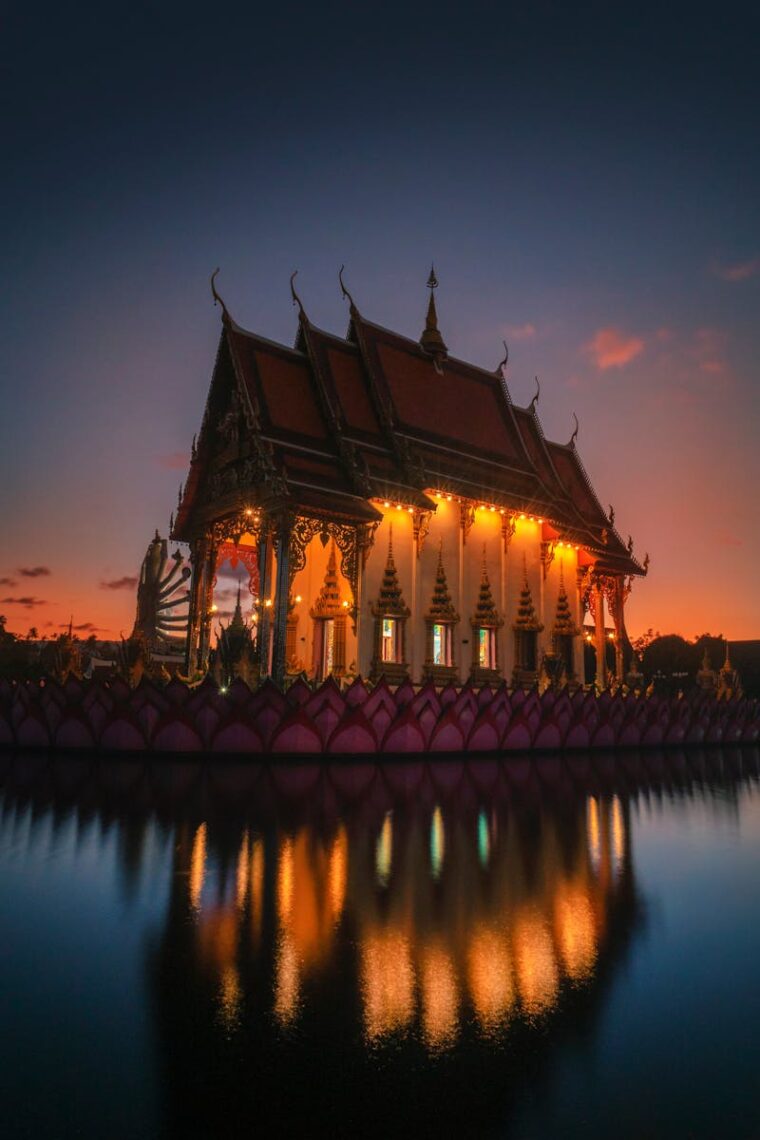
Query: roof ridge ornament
[502, 365]
[217, 299]
[344, 291]
[294, 295]
[537, 396]
[574, 436]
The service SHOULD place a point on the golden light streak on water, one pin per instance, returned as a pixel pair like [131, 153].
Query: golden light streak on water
[594, 835]
[575, 930]
[286, 980]
[230, 997]
[489, 976]
[197, 867]
[440, 999]
[387, 983]
[384, 851]
[241, 878]
[618, 833]
[535, 965]
[257, 886]
[437, 843]
[337, 873]
[285, 880]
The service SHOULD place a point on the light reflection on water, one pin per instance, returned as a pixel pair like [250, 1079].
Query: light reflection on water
[311, 940]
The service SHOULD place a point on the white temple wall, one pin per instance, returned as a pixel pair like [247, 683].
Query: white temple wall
[307, 585]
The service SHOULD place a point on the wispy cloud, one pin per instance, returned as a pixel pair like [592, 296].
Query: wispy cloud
[8, 582]
[612, 348]
[27, 601]
[174, 461]
[727, 538]
[34, 571]
[125, 583]
[738, 271]
[527, 331]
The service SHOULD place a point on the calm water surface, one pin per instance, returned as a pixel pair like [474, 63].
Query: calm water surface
[446, 949]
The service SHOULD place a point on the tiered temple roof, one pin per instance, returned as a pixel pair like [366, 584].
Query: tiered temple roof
[334, 423]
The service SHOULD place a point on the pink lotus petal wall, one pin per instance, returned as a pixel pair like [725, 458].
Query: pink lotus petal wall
[86, 715]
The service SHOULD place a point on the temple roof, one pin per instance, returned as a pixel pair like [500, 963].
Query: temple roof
[340, 421]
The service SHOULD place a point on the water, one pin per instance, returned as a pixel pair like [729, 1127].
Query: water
[453, 949]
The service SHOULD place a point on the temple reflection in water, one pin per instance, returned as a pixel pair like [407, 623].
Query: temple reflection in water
[382, 948]
[450, 918]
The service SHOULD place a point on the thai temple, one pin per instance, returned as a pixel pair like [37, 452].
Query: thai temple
[397, 515]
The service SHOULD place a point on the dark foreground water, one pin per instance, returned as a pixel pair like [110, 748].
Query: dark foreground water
[452, 949]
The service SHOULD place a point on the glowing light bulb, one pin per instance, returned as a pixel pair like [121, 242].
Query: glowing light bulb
[386, 504]
[268, 602]
[298, 599]
[448, 498]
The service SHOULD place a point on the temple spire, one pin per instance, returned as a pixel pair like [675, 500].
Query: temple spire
[564, 626]
[391, 601]
[441, 605]
[526, 613]
[329, 603]
[485, 612]
[431, 339]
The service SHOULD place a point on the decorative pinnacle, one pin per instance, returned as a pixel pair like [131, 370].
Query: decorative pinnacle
[294, 295]
[431, 339]
[217, 299]
[344, 291]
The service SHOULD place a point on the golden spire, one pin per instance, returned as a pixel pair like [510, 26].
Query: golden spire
[564, 626]
[431, 339]
[441, 605]
[328, 604]
[486, 615]
[526, 614]
[391, 601]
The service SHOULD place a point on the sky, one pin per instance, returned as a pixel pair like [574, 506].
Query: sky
[586, 182]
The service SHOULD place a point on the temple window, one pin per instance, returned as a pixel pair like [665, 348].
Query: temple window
[389, 640]
[440, 621]
[487, 648]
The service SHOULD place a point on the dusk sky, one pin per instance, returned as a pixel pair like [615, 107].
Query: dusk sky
[586, 181]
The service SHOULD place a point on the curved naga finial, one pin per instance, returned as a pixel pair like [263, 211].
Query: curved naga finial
[344, 291]
[504, 362]
[611, 515]
[645, 563]
[574, 436]
[294, 295]
[535, 399]
[217, 299]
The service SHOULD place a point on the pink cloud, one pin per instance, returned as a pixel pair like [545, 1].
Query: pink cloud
[27, 601]
[726, 538]
[520, 332]
[611, 348]
[125, 583]
[174, 461]
[740, 271]
[7, 582]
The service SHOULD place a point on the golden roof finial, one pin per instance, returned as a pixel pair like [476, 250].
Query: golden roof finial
[344, 291]
[294, 295]
[217, 299]
[536, 398]
[502, 365]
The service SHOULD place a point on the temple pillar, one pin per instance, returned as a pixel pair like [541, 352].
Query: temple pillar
[619, 630]
[265, 588]
[600, 639]
[282, 592]
[197, 560]
[206, 602]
